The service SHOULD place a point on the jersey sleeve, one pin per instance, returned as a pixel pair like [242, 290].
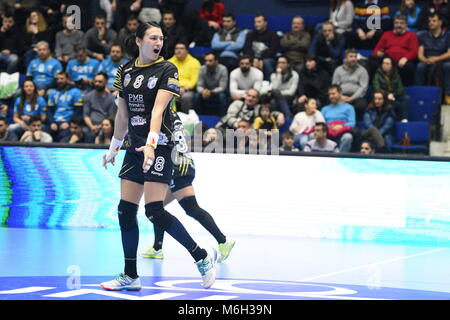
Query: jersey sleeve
[16, 105]
[169, 81]
[42, 105]
[119, 80]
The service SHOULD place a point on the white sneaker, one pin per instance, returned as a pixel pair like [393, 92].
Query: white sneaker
[122, 282]
[207, 268]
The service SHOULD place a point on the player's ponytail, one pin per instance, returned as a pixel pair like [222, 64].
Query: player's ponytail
[130, 41]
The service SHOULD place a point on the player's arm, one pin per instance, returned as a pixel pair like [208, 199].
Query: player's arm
[120, 130]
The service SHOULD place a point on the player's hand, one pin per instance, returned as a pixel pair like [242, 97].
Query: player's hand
[109, 157]
[149, 157]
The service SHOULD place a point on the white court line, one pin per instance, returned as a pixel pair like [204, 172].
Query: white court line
[373, 264]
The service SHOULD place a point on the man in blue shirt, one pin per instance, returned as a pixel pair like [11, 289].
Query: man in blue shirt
[65, 101]
[82, 69]
[43, 69]
[340, 118]
[111, 64]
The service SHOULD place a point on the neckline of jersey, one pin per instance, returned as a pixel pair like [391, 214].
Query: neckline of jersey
[136, 64]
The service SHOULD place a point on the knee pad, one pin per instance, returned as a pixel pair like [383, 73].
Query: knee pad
[190, 205]
[156, 213]
[127, 215]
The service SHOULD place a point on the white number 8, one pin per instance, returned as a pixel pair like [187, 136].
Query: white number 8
[159, 164]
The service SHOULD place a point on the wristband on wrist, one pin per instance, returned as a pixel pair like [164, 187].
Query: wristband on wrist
[115, 145]
[152, 139]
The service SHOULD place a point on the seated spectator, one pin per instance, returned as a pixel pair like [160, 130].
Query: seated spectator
[211, 12]
[441, 7]
[98, 104]
[367, 147]
[110, 65]
[295, 43]
[212, 85]
[434, 56]
[367, 32]
[402, 46]
[12, 43]
[284, 83]
[287, 142]
[174, 33]
[128, 30]
[243, 78]
[328, 47]
[229, 41]
[409, 9]
[82, 69]
[150, 11]
[176, 6]
[321, 143]
[354, 81]
[77, 132]
[188, 69]
[303, 124]
[99, 39]
[65, 102]
[5, 134]
[44, 68]
[35, 132]
[379, 121]
[106, 132]
[264, 120]
[123, 9]
[4, 108]
[67, 39]
[313, 83]
[388, 80]
[340, 119]
[27, 105]
[341, 15]
[262, 45]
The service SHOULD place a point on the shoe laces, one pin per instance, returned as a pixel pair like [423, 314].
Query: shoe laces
[205, 265]
[123, 279]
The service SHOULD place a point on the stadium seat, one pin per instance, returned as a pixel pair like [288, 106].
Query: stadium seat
[419, 137]
[199, 52]
[209, 120]
[280, 22]
[365, 53]
[245, 21]
[425, 103]
[313, 20]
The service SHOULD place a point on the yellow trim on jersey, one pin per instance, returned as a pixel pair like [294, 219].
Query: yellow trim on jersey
[175, 94]
[122, 173]
[136, 64]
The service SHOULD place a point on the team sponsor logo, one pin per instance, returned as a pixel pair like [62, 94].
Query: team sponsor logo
[138, 82]
[151, 82]
[138, 121]
[162, 140]
[126, 80]
[135, 98]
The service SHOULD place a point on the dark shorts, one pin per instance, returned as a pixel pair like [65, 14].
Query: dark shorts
[160, 171]
[180, 182]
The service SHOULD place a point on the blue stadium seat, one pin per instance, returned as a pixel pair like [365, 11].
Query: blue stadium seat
[209, 120]
[245, 21]
[280, 22]
[313, 20]
[425, 103]
[199, 51]
[419, 135]
[365, 53]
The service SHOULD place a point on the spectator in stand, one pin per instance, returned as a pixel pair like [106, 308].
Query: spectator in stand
[287, 142]
[328, 47]
[123, 9]
[44, 68]
[284, 83]
[110, 65]
[150, 11]
[99, 39]
[402, 46]
[229, 40]
[313, 83]
[388, 80]
[295, 43]
[65, 102]
[366, 32]
[5, 134]
[411, 11]
[27, 105]
[303, 124]
[35, 133]
[262, 45]
[212, 85]
[188, 69]
[4, 108]
[124, 33]
[78, 134]
[264, 120]
[82, 69]
[98, 104]
[341, 15]
[174, 32]
[434, 56]
[441, 7]
[354, 81]
[176, 6]
[243, 78]
[321, 143]
[367, 147]
[211, 13]
[67, 39]
[106, 132]
[12, 43]
[379, 121]
[340, 119]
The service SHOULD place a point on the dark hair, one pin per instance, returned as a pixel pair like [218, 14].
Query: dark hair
[404, 10]
[401, 17]
[8, 14]
[79, 47]
[78, 120]
[229, 15]
[34, 119]
[370, 143]
[261, 15]
[215, 55]
[310, 57]
[116, 44]
[385, 100]
[100, 16]
[394, 66]
[132, 17]
[23, 96]
[323, 125]
[64, 73]
[349, 51]
[243, 57]
[169, 12]
[130, 41]
[4, 119]
[287, 134]
[435, 14]
[102, 74]
[101, 135]
[335, 86]
[285, 78]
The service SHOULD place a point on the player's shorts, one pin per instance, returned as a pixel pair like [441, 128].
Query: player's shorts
[179, 182]
[160, 171]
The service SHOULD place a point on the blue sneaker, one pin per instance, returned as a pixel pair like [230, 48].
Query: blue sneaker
[207, 268]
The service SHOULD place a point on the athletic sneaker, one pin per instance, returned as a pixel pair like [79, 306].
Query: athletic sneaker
[207, 268]
[122, 282]
[151, 253]
[225, 249]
